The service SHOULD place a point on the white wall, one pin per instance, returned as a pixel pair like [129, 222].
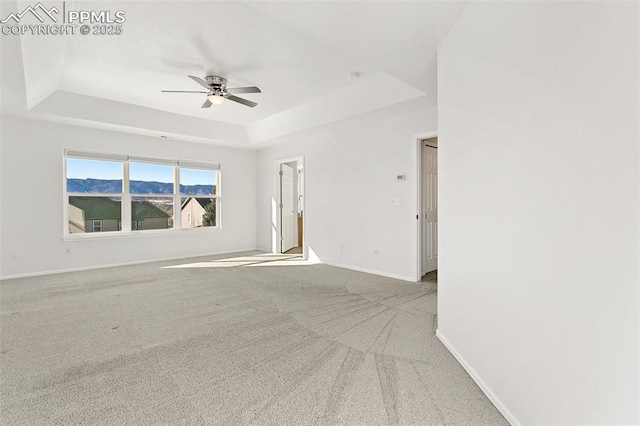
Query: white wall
[539, 184]
[32, 202]
[350, 170]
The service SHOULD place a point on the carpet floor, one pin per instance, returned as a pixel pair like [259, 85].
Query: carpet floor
[251, 338]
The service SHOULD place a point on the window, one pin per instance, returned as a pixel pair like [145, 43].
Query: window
[153, 186]
[94, 188]
[107, 192]
[199, 189]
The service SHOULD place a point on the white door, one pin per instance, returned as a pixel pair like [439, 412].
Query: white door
[287, 216]
[429, 209]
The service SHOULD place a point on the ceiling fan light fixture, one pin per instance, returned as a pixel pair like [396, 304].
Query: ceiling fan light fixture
[216, 99]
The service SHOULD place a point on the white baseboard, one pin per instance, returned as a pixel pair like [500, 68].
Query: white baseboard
[481, 384]
[370, 271]
[113, 265]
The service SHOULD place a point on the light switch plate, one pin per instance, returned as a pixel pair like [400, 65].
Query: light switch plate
[395, 201]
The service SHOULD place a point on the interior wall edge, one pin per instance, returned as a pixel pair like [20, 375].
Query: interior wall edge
[478, 380]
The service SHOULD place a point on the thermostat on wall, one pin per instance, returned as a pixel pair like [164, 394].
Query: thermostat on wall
[400, 177]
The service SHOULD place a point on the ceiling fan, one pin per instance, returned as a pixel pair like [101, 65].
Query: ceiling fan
[217, 91]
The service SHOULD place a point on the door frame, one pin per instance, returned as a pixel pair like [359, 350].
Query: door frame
[276, 219]
[416, 140]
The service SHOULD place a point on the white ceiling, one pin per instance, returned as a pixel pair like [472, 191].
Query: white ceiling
[299, 53]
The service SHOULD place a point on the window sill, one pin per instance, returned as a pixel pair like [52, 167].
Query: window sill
[137, 234]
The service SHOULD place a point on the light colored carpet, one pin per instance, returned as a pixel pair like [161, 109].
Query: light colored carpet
[244, 339]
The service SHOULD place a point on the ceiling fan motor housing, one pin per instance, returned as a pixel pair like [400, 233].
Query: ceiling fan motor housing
[218, 85]
[215, 81]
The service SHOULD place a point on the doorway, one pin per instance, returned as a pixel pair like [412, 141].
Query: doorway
[429, 195]
[289, 212]
[426, 206]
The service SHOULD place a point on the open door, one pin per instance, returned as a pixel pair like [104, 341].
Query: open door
[287, 208]
[429, 208]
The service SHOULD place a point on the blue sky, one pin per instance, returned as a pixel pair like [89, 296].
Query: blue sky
[82, 169]
[151, 172]
[197, 177]
[78, 168]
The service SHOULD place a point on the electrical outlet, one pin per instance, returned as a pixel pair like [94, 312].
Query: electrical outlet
[67, 250]
[14, 255]
[375, 252]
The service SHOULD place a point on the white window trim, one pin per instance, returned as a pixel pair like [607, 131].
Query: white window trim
[126, 196]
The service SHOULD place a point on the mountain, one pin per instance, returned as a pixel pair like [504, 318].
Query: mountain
[94, 185]
[114, 186]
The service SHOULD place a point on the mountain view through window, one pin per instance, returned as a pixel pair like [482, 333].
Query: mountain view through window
[96, 190]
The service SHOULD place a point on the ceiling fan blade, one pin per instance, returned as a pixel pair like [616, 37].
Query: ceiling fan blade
[241, 101]
[200, 82]
[183, 91]
[206, 104]
[252, 89]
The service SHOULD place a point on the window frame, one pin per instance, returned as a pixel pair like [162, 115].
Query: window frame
[93, 225]
[126, 197]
